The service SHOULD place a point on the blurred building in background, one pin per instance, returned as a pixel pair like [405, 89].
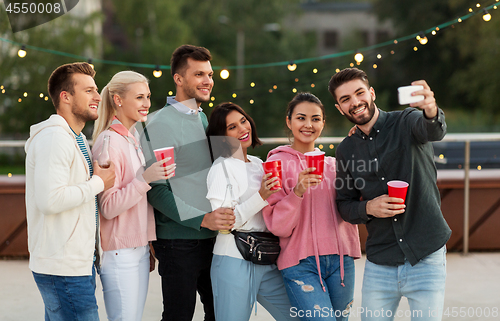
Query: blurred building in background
[339, 25]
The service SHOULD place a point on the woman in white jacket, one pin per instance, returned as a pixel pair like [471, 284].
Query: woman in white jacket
[238, 283]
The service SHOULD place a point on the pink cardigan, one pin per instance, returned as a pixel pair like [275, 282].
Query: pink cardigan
[309, 225]
[127, 219]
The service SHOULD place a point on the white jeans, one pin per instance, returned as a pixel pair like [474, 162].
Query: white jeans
[125, 281]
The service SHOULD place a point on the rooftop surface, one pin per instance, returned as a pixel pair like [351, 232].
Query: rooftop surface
[472, 292]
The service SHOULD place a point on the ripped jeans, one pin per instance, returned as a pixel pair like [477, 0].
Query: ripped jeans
[308, 300]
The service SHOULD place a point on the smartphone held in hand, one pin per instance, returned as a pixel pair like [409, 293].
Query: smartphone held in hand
[405, 97]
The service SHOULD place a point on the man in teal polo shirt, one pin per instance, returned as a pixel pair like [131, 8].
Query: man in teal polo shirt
[185, 224]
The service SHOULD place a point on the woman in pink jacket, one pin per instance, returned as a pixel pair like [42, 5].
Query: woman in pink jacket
[126, 219]
[317, 247]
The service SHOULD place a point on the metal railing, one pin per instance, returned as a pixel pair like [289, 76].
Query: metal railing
[466, 138]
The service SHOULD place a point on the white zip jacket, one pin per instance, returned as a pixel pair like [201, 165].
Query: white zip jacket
[60, 201]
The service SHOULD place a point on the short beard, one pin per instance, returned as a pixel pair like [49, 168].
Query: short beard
[191, 93]
[83, 116]
[366, 120]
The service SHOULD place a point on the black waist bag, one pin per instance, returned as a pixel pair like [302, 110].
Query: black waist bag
[258, 247]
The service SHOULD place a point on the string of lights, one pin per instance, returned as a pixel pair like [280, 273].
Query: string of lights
[358, 55]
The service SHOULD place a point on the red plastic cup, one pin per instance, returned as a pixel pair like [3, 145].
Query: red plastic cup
[273, 167]
[398, 189]
[316, 159]
[162, 153]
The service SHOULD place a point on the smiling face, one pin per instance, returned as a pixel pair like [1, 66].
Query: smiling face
[84, 100]
[306, 123]
[356, 101]
[135, 104]
[239, 127]
[195, 81]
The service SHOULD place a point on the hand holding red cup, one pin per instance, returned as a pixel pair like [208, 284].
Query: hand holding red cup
[273, 167]
[163, 153]
[316, 159]
[398, 189]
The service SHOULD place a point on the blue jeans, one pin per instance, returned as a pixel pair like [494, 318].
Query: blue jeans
[68, 297]
[422, 284]
[309, 301]
[237, 283]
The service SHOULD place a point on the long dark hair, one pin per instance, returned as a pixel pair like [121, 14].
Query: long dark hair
[300, 98]
[217, 127]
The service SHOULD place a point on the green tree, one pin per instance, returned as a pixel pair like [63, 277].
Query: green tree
[165, 25]
[460, 62]
[30, 74]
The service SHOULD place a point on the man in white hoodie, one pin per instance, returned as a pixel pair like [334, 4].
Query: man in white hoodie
[61, 189]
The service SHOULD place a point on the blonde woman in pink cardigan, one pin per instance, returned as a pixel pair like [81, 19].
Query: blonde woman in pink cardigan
[317, 247]
[127, 222]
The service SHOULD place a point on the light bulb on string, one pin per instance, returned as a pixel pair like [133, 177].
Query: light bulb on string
[359, 57]
[252, 84]
[315, 70]
[478, 5]
[224, 73]
[234, 95]
[379, 56]
[170, 93]
[25, 94]
[422, 38]
[41, 95]
[46, 98]
[22, 52]
[157, 72]
[486, 15]
[292, 66]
